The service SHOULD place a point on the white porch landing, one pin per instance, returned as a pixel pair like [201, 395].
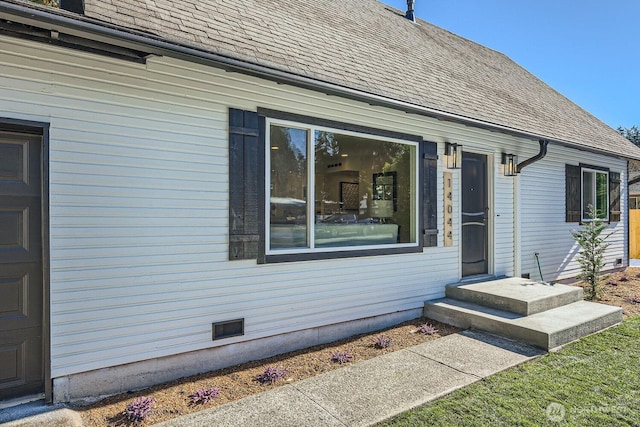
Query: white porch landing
[540, 314]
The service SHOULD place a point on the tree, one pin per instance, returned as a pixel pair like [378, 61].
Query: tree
[632, 134]
[591, 255]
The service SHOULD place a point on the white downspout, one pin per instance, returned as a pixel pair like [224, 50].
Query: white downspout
[517, 249]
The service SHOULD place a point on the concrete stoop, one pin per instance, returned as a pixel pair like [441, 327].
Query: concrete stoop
[540, 314]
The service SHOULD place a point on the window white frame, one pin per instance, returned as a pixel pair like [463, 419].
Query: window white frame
[594, 195]
[311, 130]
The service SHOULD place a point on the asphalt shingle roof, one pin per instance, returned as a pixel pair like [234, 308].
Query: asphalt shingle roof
[370, 47]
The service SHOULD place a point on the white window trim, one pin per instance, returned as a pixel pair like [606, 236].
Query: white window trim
[582, 201]
[311, 129]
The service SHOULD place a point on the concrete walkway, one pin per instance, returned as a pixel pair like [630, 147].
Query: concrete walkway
[361, 394]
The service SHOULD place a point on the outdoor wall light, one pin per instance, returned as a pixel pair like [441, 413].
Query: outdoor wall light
[510, 164]
[453, 153]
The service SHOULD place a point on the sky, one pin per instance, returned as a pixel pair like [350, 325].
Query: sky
[588, 50]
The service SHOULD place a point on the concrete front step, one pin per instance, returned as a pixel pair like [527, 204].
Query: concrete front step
[548, 329]
[517, 295]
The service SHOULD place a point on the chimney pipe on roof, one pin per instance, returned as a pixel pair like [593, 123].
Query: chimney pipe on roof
[410, 15]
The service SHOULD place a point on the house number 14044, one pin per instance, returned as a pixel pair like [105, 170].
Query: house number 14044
[448, 209]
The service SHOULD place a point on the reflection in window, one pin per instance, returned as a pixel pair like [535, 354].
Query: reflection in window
[383, 171]
[595, 193]
[52, 3]
[288, 214]
[363, 190]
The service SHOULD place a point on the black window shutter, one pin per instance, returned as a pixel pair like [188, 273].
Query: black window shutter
[244, 193]
[430, 193]
[573, 194]
[614, 196]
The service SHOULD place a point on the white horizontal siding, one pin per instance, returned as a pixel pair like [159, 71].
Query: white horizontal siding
[139, 207]
[542, 205]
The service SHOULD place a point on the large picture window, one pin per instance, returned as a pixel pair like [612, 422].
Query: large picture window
[595, 193]
[331, 190]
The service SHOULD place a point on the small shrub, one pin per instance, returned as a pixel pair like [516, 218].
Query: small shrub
[341, 357]
[204, 395]
[591, 255]
[624, 279]
[139, 409]
[271, 374]
[612, 283]
[634, 300]
[427, 329]
[382, 342]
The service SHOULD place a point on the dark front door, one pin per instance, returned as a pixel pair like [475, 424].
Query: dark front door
[475, 208]
[21, 294]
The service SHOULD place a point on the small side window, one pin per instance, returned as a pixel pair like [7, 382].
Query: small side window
[592, 186]
[595, 193]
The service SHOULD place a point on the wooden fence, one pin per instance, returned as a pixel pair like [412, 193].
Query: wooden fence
[634, 233]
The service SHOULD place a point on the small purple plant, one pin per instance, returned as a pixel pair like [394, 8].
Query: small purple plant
[634, 300]
[204, 395]
[382, 342]
[139, 409]
[271, 374]
[427, 329]
[341, 357]
[612, 283]
[624, 279]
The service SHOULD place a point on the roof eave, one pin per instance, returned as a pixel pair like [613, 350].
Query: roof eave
[104, 32]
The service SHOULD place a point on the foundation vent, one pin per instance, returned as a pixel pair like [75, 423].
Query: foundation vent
[227, 329]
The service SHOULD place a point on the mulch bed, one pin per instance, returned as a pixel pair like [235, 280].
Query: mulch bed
[172, 398]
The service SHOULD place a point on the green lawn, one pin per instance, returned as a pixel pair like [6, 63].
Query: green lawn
[593, 382]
